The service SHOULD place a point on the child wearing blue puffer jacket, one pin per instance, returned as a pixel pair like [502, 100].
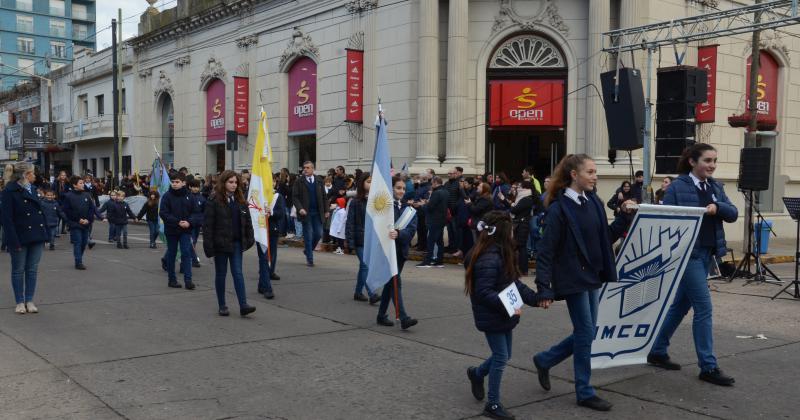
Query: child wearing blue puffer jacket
[491, 267]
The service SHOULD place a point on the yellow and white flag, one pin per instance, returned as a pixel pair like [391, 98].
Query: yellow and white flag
[261, 194]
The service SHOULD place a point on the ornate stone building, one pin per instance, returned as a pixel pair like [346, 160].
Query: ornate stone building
[444, 71]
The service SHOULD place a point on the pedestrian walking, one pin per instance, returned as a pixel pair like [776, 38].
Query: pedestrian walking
[696, 187]
[53, 215]
[150, 211]
[525, 204]
[312, 208]
[80, 209]
[25, 232]
[177, 212]
[354, 231]
[491, 266]
[117, 214]
[266, 268]
[436, 217]
[227, 234]
[198, 216]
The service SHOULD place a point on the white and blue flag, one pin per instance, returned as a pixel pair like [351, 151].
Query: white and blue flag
[379, 250]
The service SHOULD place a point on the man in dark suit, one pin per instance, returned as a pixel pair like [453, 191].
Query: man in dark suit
[436, 217]
[308, 197]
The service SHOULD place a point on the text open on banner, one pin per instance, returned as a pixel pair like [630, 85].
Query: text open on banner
[649, 268]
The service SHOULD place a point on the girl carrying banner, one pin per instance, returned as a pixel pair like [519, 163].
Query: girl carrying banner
[696, 188]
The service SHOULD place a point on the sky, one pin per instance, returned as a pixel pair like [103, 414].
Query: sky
[131, 10]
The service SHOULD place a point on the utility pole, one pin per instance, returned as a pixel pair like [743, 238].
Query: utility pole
[115, 100]
[51, 135]
[120, 65]
[755, 65]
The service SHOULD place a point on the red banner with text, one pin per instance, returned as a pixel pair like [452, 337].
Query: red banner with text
[241, 104]
[526, 103]
[766, 88]
[215, 111]
[707, 60]
[355, 86]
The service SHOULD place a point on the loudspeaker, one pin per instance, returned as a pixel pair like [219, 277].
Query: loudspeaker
[231, 140]
[675, 111]
[667, 164]
[674, 129]
[754, 168]
[625, 116]
[682, 84]
[672, 147]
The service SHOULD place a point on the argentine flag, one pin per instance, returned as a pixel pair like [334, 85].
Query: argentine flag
[379, 250]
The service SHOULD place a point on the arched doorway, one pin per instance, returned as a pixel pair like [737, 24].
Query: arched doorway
[167, 131]
[526, 107]
[302, 131]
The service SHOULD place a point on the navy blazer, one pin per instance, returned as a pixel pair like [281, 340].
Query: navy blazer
[405, 235]
[177, 205]
[79, 205]
[562, 261]
[682, 192]
[23, 218]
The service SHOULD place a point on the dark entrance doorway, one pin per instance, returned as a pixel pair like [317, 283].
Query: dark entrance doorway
[510, 151]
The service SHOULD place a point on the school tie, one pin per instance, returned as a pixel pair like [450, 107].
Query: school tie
[582, 199]
[310, 179]
[703, 186]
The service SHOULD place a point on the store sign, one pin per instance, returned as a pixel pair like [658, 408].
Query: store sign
[766, 88]
[241, 104]
[526, 103]
[355, 87]
[303, 97]
[215, 111]
[36, 136]
[13, 139]
[707, 60]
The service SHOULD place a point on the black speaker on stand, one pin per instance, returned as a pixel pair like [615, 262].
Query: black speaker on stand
[679, 90]
[623, 101]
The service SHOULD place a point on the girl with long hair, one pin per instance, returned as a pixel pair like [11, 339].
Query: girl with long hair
[227, 234]
[695, 187]
[574, 258]
[150, 210]
[491, 267]
[354, 231]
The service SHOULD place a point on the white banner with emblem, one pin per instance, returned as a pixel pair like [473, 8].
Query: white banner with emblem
[650, 266]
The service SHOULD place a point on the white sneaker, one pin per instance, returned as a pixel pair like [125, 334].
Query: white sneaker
[338, 251]
[32, 308]
[20, 308]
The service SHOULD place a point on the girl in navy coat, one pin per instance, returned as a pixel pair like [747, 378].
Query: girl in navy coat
[696, 188]
[402, 239]
[25, 232]
[491, 267]
[573, 260]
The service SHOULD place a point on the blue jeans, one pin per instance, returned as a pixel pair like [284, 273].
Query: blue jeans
[53, 232]
[264, 269]
[183, 240]
[454, 232]
[500, 344]
[112, 232]
[388, 294]
[221, 272]
[363, 270]
[153, 226]
[312, 233]
[121, 232]
[583, 313]
[79, 238]
[692, 293]
[435, 237]
[24, 264]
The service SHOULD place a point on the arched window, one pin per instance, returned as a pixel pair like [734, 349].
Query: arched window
[527, 51]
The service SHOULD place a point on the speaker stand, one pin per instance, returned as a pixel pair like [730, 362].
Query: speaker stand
[762, 273]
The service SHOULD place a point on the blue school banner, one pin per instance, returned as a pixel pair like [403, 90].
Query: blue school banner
[650, 266]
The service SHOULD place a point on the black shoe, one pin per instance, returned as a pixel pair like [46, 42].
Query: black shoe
[246, 309]
[360, 298]
[189, 285]
[180, 270]
[407, 323]
[80, 267]
[374, 299]
[196, 264]
[174, 285]
[386, 322]
[52, 247]
[91, 245]
[662, 361]
[119, 245]
[595, 403]
[111, 241]
[716, 377]
[152, 246]
[274, 276]
[310, 263]
[261, 290]
[125, 245]
[223, 311]
[496, 411]
[164, 264]
[477, 383]
[544, 375]
[437, 265]
[269, 295]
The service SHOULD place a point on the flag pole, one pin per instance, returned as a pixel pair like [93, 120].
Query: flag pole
[396, 296]
[269, 251]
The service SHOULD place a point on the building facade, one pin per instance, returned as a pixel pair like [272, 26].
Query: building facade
[457, 80]
[38, 36]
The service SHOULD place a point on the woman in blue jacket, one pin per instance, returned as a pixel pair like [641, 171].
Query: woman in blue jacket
[573, 260]
[491, 267]
[25, 232]
[696, 188]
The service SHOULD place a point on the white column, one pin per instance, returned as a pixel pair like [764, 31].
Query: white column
[630, 12]
[428, 86]
[596, 130]
[457, 118]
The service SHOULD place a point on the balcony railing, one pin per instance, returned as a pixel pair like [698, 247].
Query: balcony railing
[87, 16]
[91, 128]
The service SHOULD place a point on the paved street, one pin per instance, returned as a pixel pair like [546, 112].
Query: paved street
[115, 342]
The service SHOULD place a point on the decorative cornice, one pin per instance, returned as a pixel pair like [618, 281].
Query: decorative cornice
[182, 61]
[146, 73]
[547, 15]
[213, 70]
[361, 6]
[164, 85]
[300, 45]
[708, 3]
[356, 41]
[247, 41]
